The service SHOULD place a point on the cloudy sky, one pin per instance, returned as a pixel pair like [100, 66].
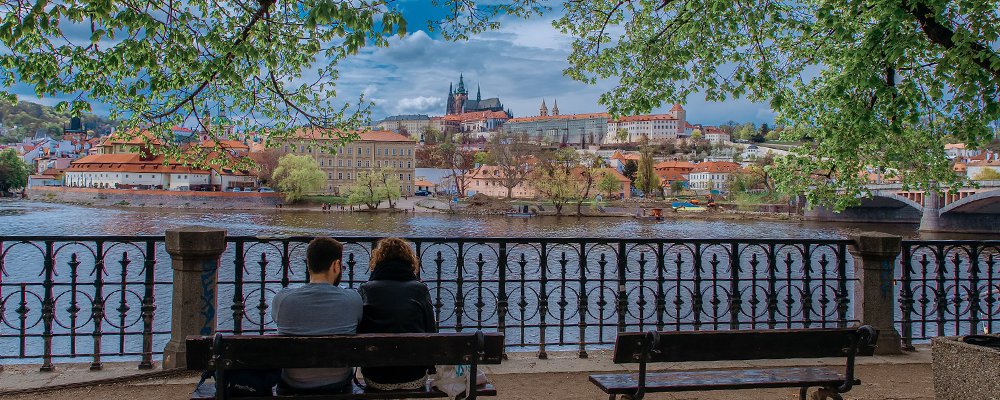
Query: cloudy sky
[521, 63]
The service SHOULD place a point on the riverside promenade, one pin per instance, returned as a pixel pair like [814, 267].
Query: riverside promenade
[563, 375]
[75, 306]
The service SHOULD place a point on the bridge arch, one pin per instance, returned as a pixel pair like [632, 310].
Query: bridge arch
[889, 199]
[979, 203]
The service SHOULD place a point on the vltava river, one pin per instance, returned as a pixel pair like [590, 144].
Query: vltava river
[35, 218]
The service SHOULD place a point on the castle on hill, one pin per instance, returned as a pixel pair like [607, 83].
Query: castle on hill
[459, 101]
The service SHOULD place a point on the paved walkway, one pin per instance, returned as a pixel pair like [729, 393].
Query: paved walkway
[523, 376]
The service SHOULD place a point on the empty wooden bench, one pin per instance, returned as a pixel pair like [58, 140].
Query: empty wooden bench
[653, 347]
[223, 353]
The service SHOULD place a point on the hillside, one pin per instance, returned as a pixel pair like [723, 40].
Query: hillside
[25, 118]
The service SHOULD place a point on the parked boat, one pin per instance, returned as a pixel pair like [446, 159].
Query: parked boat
[687, 207]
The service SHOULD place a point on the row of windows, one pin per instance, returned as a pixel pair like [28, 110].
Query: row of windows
[327, 162]
[340, 175]
[350, 150]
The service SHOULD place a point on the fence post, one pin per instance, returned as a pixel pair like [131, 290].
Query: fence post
[195, 254]
[874, 295]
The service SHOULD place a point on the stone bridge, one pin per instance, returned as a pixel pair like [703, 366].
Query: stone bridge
[966, 210]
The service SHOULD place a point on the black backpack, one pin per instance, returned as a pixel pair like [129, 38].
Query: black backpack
[247, 382]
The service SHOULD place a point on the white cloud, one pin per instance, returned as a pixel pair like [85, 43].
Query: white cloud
[521, 63]
[420, 105]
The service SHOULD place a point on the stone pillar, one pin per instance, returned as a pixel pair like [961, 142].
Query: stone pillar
[930, 219]
[195, 253]
[874, 295]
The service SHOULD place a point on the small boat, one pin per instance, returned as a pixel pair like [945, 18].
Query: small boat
[687, 207]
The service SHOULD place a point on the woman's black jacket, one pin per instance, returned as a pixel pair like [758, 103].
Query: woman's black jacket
[396, 301]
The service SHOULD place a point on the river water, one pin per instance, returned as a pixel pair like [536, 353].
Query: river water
[36, 218]
[21, 283]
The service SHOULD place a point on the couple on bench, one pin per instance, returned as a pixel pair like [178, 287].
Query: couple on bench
[394, 300]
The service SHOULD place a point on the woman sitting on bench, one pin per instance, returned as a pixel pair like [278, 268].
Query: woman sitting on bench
[396, 301]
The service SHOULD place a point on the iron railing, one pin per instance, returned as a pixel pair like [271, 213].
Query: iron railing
[576, 292]
[83, 296]
[68, 297]
[948, 288]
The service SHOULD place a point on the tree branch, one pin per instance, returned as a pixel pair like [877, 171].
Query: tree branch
[944, 36]
[265, 5]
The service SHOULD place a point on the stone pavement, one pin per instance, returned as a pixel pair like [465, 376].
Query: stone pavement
[15, 378]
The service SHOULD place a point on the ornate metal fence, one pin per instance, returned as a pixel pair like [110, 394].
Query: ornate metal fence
[948, 288]
[108, 298]
[92, 297]
[575, 292]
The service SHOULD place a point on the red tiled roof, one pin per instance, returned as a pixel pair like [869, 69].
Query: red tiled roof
[330, 134]
[667, 176]
[651, 117]
[476, 116]
[225, 144]
[564, 116]
[683, 165]
[716, 166]
[128, 162]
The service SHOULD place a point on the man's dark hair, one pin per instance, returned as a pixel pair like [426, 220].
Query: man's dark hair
[322, 252]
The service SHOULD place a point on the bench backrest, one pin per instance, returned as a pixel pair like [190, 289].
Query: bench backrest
[365, 350]
[740, 345]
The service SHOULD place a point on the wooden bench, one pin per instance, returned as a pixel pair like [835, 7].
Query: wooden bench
[651, 347]
[225, 353]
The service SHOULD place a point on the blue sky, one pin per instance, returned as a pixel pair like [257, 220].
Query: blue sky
[521, 63]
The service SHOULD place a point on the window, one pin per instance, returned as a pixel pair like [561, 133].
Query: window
[409, 164]
[359, 163]
[348, 175]
[367, 164]
[302, 148]
[393, 151]
[340, 175]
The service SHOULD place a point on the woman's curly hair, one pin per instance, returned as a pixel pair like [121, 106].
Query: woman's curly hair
[397, 249]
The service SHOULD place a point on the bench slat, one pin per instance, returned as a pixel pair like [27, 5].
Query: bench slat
[740, 345]
[720, 380]
[206, 391]
[365, 350]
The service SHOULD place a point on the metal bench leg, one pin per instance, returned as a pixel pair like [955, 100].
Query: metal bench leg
[802, 393]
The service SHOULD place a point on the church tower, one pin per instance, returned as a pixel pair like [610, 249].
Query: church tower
[555, 107]
[458, 100]
[450, 104]
[543, 111]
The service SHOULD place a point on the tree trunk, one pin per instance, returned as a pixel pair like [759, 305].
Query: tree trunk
[510, 193]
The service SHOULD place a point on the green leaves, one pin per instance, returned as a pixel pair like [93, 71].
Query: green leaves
[865, 79]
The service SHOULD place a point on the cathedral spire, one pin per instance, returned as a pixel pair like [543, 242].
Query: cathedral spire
[461, 85]
[451, 89]
[555, 107]
[478, 93]
[543, 111]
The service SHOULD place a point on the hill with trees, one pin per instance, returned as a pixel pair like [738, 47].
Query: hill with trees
[25, 118]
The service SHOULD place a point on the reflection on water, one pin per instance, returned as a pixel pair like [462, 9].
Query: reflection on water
[32, 218]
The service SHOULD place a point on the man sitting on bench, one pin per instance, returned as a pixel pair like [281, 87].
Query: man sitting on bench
[320, 307]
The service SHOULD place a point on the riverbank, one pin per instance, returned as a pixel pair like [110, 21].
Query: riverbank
[163, 199]
[155, 198]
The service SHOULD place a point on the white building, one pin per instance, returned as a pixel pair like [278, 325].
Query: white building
[716, 135]
[655, 127]
[128, 171]
[959, 150]
[712, 175]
